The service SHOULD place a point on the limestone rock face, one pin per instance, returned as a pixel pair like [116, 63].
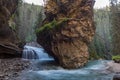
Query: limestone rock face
[8, 38]
[67, 31]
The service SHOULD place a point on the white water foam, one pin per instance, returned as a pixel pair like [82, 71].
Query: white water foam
[30, 52]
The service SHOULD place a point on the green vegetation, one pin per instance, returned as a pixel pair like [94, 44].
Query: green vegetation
[12, 23]
[100, 46]
[115, 26]
[51, 25]
[13, 27]
[117, 57]
[106, 41]
[26, 19]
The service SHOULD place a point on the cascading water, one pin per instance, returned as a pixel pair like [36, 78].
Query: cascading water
[94, 70]
[30, 52]
[45, 68]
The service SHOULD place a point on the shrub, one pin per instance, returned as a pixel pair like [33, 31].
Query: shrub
[116, 58]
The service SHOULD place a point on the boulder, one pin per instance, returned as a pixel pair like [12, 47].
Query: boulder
[8, 39]
[114, 68]
[67, 30]
[116, 77]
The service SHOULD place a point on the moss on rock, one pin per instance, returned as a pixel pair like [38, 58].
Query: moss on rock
[116, 58]
[51, 25]
[67, 40]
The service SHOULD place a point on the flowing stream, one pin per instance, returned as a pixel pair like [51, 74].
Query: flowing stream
[30, 52]
[45, 68]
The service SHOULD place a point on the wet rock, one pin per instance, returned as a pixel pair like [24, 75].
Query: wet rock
[113, 67]
[116, 77]
[67, 31]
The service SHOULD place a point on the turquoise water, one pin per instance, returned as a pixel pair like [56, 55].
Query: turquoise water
[94, 70]
[47, 69]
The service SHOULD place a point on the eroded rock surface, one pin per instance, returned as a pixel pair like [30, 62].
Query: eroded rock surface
[8, 39]
[67, 31]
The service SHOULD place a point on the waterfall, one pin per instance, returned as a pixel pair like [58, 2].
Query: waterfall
[30, 52]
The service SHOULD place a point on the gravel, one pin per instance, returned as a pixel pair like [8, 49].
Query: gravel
[10, 69]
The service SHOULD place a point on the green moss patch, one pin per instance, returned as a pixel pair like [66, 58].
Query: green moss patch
[51, 25]
[117, 57]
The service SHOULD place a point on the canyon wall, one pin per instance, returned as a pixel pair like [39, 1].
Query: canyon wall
[8, 38]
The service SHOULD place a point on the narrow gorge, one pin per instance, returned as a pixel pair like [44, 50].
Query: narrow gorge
[59, 40]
